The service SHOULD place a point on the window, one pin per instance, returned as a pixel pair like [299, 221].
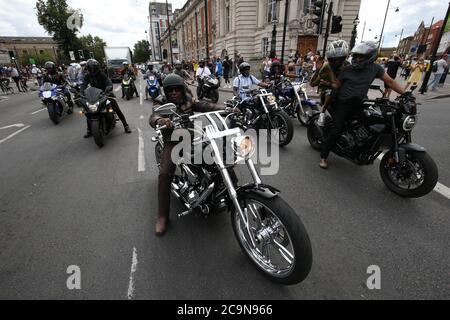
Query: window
[265, 47]
[306, 6]
[272, 10]
[41, 51]
[227, 19]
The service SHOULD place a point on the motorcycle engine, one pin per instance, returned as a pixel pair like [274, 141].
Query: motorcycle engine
[346, 141]
[361, 135]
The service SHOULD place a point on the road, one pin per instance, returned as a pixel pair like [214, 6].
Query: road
[64, 202]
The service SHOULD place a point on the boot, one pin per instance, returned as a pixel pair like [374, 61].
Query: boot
[88, 135]
[127, 129]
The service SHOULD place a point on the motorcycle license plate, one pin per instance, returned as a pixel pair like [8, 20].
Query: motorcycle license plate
[151, 78]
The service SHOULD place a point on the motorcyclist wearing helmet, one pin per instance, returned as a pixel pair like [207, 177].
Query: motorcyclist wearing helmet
[150, 72]
[327, 73]
[128, 70]
[97, 79]
[352, 86]
[202, 71]
[175, 92]
[244, 81]
[184, 74]
[53, 76]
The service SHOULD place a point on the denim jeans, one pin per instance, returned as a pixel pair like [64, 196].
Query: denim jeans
[437, 78]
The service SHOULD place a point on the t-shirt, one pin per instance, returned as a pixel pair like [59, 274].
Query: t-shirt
[356, 82]
[392, 68]
[441, 64]
[244, 83]
[203, 72]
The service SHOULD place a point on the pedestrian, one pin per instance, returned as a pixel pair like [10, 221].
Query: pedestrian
[16, 77]
[219, 70]
[438, 70]
[407, 69]
[392, 69]
[226, 71]
[416, 73]
[266, 64]
[298, 65]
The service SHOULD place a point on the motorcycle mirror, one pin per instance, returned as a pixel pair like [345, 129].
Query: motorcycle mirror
[166, 109]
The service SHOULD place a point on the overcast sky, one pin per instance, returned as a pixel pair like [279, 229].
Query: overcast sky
[123, 23]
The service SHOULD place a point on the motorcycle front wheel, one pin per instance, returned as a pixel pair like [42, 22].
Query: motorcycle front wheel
[158, 152]
[274, 238]
[283, 123]
[97, 133]
[413, 178]
[215, 96]
[304, 117]
[53, 113]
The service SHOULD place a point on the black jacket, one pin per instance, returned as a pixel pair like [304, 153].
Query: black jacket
[57, 79]
[101, 81]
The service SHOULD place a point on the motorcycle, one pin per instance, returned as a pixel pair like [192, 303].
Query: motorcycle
[267, 229]
[384, 126]
[128, 86]
[209, 88]
[153, 89]
[261, 111]
[53, 98]
[97, 108]
[293, 99]
[75, 87]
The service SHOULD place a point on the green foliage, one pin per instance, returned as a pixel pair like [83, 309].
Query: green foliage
[53, 16]
[141, 51]
[95, 45]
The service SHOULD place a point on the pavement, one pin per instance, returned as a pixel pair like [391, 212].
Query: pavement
[64, 202]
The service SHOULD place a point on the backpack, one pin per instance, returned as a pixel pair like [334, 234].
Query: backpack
[435, 67]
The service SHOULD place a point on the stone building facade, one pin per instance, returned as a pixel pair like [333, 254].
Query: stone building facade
[38, 48]
[246, 27]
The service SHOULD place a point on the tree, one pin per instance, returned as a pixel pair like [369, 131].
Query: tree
[55, 16]
[95, 45]
[142, 51]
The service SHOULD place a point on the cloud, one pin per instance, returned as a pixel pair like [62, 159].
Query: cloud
[408, 18]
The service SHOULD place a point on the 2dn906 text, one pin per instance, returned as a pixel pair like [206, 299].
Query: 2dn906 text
[246, 309]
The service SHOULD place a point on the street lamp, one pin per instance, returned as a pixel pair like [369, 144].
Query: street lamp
[273, 47]
[353, 39]
[382, 29]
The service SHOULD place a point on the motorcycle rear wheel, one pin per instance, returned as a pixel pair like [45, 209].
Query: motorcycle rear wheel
[275, 241]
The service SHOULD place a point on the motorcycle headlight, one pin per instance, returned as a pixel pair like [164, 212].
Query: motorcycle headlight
[409, 123]
[271, 99]
[93, 107]
[243, 146]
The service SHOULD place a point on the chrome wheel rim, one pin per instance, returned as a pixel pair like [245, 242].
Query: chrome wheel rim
[410, 175]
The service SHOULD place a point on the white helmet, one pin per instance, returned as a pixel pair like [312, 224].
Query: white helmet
[369, 49]
[337, 49]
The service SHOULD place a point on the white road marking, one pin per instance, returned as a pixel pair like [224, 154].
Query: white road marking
[39, 110]
[14, 134]
[17, 125]
[141, 117]
[141, 152]
[134, 263]
[117, 89]
[443, 190]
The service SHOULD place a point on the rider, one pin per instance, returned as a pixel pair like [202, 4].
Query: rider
[97, 79]
[55, 77]
[202, 71]
[184, 74]
[352, 87]
[327, 73]
[150, 72]
[127, 70]
[175, 92]
[244, 81]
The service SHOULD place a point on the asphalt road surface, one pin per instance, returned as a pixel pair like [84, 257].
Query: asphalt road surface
[64, 202]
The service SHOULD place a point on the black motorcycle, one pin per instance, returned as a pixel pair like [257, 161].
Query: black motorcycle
[98, 110]
[128, 86]
[268, 230]
[384, 126]
[261, 111]
[208, 88]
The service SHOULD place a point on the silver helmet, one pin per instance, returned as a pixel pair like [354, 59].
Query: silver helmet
[337, 49]
[369, 50]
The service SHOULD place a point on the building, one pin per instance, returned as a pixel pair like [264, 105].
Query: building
[419, 40]
[433, 37]
[249, 26]
[158, 21]
[404, 47]
[39, 49]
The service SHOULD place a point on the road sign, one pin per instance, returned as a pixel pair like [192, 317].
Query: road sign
[72, 55]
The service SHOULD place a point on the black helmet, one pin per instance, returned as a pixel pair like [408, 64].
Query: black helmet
[178, 65]
[244, 66]
[173, 80]
[50, 66]
[369, 50]
[93, 66]
[149, 66]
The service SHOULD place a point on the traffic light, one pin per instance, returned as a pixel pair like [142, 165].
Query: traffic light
[336, 25]
[318, 9]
